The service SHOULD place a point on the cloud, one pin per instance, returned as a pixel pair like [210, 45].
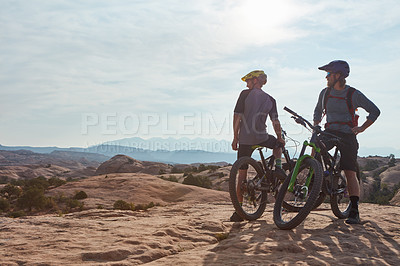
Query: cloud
[64, 58]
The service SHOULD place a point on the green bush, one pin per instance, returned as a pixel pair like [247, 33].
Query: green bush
[74, 203]
[392, 160]
[16, 214]
[123, 205]
[11, 191]
[201, 168]
[4, 179]
[171, 178]
[200, 181]
[176, 170]
[4, 205]
[371, 165]
[56, 182]
[382, 194]
[38, 182]
[379, 171]
[80, 195]
[33, 197]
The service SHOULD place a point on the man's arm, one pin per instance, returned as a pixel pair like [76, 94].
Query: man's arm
[236, 129]
[319, 108]
[278, 130]
[362, 128]
[373, 111]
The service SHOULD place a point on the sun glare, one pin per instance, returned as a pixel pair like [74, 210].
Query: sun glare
[267, 21]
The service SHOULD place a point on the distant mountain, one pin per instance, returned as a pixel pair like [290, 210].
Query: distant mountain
[164, 156]
[66, 164]
[174, 144]
[103, 152]
[176, 150]
[29, 148]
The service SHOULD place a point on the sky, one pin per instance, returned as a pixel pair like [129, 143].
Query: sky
[78, 73]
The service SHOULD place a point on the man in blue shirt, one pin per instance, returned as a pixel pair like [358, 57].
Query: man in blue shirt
[339, 102]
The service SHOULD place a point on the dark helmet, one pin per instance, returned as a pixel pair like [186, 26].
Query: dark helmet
[337, 66]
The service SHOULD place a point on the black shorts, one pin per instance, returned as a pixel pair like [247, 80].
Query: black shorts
[348, 148]
[247, 150]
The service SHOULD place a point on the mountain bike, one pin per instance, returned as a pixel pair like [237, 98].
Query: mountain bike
[298, 194]
[260, 180]
[334, 182]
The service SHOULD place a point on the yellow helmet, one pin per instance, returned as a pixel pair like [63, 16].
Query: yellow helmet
[254, 74]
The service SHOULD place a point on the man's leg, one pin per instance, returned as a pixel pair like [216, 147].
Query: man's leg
[277, 152]
[244, 150]
[353, 188]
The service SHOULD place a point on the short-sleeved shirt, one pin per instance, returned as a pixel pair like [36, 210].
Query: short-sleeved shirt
[254, 106]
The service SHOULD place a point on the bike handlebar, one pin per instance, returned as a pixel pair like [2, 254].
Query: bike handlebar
[304, 122]
[300, 120]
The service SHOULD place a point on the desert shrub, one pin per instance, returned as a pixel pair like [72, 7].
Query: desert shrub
[392, 160]
[39, 182]
[201, 168]
[190, 169]
[56, 182]
[220, 175]
[4, 205]
[176, 170]
[140, 207]
[4, 179]
[382, 194]
[11, 191]
[80, 195]
[60, 198]
[50, 204]
[162, 172]
[200, 181]
[33, 197]
[123, 205]
[171, 178]
[363, 176]
[377, 172]
[16, 214]
[74, 203]
[371, 165]
[221, 236]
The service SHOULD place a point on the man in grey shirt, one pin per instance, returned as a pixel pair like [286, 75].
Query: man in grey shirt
[251, 111]
[339, 102]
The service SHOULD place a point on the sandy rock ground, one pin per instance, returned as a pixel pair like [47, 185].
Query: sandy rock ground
[187, 234]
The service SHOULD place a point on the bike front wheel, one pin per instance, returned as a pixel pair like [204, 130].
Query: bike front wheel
[301, 199]
[247, 197]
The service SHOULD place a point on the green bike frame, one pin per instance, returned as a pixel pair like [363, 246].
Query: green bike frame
[299, 162]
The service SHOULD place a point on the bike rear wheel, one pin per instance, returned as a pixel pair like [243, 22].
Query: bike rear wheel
[301, 200]
[247, 198]
[340, 199]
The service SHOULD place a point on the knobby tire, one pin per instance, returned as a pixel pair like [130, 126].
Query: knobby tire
[261, 203]
[314, 192]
